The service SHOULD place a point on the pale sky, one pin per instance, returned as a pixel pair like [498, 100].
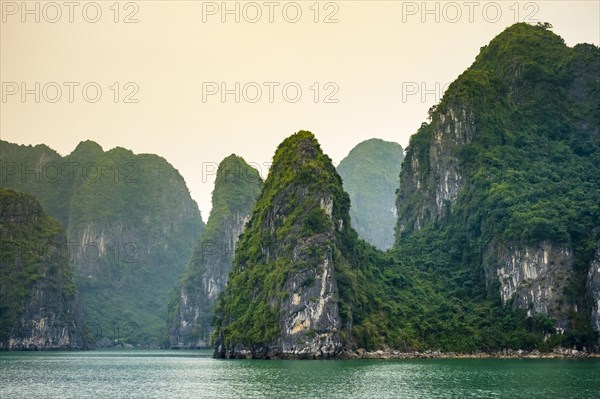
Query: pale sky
[383, 63]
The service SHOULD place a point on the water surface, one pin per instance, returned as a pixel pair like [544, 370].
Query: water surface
[194, 374]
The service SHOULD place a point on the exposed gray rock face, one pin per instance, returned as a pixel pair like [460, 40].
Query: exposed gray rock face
[288, 264]
[593, 287]
[534, 276]
[309, 316]
[191, 315]
[131, 228]
[39, 305]
[431, 184]
[192, 324]
[450, 179]
[455, 128]
[50, 321]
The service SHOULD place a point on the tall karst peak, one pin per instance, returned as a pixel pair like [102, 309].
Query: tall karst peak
[283, 298]
[237, 186]
[39, 304]
[509, 162]
[88, 147]
[370, 174]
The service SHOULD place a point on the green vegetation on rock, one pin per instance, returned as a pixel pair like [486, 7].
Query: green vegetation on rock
[131, 228]
[370, 175]
[190, 319]
[39, 305]
[499, 216]
[302, 283]
[496, 238]
[248, 310]
[509, 167]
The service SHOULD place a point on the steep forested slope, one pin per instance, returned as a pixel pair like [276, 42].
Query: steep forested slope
[370, 175]
[131, 227]
[237, 186]
[497, 233]
[504, 182]
[39, 305]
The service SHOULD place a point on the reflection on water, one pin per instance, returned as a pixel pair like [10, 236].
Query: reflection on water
[194, 374]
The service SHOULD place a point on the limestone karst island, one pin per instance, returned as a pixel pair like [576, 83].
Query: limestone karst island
[475, 245]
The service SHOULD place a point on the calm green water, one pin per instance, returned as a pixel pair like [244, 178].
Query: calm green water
[194, 374]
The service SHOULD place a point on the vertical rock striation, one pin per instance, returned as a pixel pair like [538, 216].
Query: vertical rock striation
[533, 277]
[131, 228]
[593, 286]
[432, 178]
[283, 297]
[509, 162]
[237, 186]
[39, 304]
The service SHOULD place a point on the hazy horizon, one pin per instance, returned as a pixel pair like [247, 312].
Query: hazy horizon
[365, 70]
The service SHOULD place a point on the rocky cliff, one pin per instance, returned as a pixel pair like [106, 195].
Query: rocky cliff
[39, 304]
[432, 178]
[131, 228]
[498, 203]
[370, 175]
[284, 298]
[532, 277]
[593, 286]
[237, 186]
[509, 161]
